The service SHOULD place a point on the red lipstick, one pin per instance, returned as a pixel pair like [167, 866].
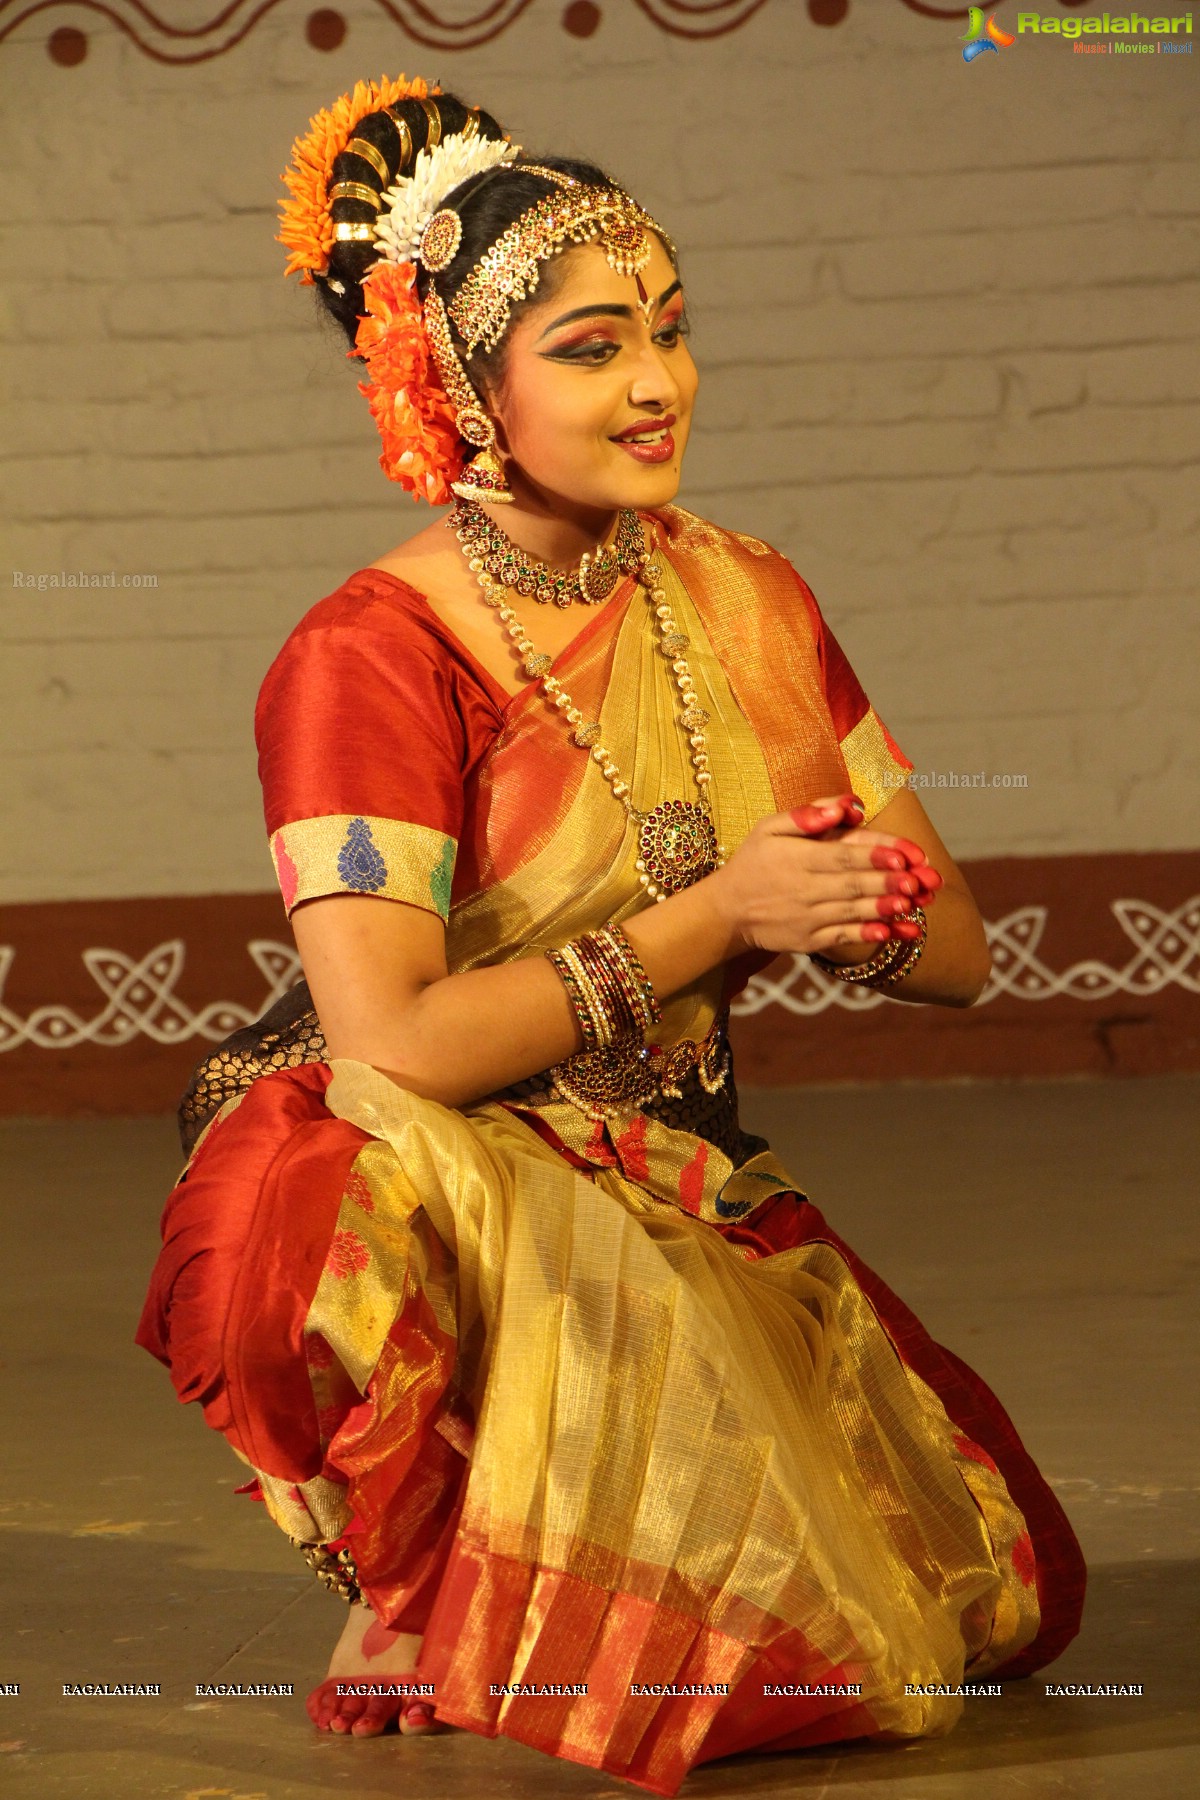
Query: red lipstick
[649, 440]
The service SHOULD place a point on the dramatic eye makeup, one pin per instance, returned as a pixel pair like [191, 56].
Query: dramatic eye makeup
[594, 342]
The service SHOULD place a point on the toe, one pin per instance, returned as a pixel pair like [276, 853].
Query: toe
[350, 1708]
[377, 1716]
[418, 1719]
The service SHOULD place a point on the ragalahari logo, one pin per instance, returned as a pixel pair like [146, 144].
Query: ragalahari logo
[986, 37]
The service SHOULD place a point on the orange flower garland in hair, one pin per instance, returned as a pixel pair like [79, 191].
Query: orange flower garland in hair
[421, 446]
[306, 229]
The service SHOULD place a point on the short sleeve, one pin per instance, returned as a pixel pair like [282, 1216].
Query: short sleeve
[361, 752]
[875, 763]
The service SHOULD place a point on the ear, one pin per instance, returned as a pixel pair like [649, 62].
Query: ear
[502, 443]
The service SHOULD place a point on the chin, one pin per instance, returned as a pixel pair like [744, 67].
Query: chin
[651, 487]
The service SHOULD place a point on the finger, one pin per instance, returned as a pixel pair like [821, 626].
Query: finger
[913, 853]
[817, 817]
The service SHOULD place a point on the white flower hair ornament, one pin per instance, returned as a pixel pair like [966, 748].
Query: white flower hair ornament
[411, 202]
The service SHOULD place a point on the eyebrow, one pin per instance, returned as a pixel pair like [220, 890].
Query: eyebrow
[612, 312]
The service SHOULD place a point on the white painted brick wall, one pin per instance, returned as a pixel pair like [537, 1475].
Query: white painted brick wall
[948, 322]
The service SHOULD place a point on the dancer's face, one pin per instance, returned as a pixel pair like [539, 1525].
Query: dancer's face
[585, 366]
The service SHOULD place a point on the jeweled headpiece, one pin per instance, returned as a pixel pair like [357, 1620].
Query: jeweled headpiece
[577, 214]
[419, 392]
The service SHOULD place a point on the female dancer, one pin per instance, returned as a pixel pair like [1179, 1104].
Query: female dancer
[552, 1371]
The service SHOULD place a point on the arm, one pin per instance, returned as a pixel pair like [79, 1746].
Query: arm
[380, 985]
[379, 980]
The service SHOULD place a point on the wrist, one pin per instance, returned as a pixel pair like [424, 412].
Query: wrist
[723, 915]
[847, 954]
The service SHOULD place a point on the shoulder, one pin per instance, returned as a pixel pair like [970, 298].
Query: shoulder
[686, 531]
[686, 536]
[369, 604]
[374, 638]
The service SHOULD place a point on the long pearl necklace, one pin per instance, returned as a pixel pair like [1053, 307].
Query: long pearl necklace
[677, 839]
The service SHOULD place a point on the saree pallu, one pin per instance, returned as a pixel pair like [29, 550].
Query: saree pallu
[607, 1411]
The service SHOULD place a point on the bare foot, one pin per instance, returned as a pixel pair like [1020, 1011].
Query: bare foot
[368, 1652]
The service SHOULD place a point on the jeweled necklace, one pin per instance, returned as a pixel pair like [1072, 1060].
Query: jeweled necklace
[677, 839]
[591, 583]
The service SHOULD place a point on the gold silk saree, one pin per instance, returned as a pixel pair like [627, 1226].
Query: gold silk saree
[597, 1399]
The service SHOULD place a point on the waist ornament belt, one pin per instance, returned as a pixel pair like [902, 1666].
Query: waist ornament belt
[631, 1074]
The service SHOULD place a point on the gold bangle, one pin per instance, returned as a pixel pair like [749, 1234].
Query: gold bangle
[887, 965]
[361, 147]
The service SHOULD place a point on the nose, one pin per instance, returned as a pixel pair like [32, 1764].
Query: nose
[653, 383]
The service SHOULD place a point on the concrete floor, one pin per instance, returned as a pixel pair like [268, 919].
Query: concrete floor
[1046, 1230]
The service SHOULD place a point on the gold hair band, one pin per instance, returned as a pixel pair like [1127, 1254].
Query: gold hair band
[360, 147]
[354, 231]
[406, 140]
[356, 190]
[433, 136]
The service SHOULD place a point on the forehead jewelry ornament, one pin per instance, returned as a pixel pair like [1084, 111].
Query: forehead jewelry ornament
[575, 213]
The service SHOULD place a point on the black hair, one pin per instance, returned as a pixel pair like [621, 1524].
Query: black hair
[487, 204]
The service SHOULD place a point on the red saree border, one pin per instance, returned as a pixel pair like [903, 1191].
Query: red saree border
[610, 1640]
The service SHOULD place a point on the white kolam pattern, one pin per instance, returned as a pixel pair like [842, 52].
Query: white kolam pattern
[139, 998]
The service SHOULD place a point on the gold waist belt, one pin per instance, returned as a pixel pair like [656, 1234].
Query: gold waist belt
[631, 1074]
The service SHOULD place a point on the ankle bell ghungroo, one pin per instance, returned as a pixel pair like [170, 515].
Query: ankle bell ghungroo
[334, 1568]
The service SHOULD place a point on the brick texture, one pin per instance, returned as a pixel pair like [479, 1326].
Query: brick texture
[948, 326]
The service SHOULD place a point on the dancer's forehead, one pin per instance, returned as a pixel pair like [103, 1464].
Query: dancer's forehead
[585, 288]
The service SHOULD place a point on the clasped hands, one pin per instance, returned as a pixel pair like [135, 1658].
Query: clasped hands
[816, 879]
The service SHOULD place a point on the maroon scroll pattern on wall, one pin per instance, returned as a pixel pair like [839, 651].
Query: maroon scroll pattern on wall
[424, 22]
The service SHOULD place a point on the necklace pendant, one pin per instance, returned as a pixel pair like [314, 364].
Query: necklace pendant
[677, 845]
[598, 576]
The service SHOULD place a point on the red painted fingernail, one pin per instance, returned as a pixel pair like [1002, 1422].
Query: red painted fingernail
[876, 933]
[886, 859]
